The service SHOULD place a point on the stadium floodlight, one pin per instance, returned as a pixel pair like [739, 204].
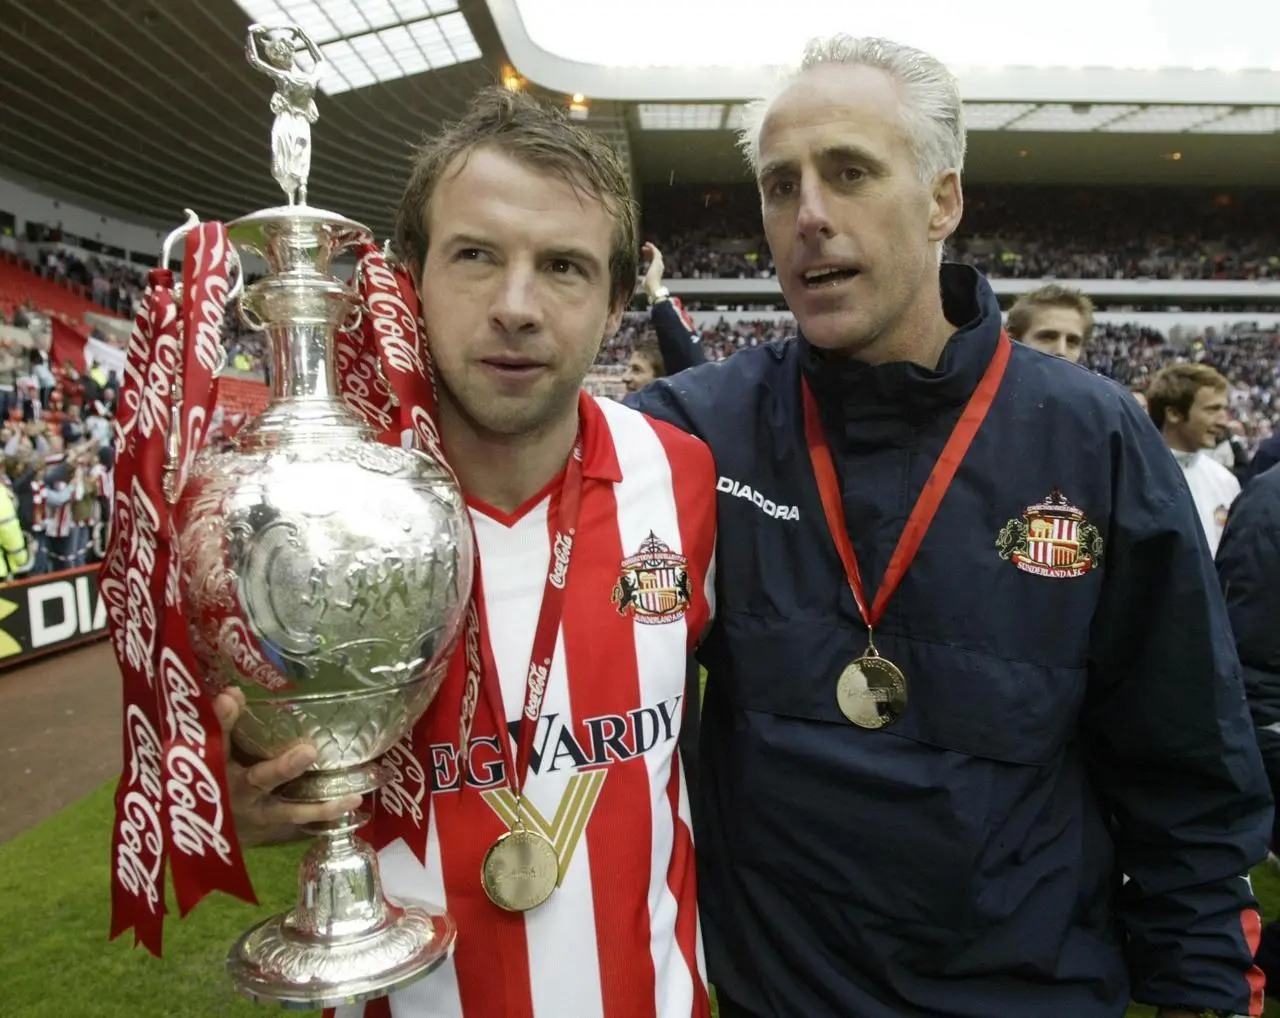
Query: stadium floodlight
[368, 41]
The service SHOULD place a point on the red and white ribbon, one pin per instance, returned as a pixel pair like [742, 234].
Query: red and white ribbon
[172, 805]
[387, 345]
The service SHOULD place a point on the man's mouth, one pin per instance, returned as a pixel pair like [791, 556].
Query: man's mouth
[512, 365]
[831, 275]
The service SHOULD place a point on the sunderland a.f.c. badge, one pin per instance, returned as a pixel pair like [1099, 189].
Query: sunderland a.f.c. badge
[1052, 538]
[654, 584]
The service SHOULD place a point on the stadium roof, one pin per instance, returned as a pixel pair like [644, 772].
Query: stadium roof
[1095, 51]
[140, 108]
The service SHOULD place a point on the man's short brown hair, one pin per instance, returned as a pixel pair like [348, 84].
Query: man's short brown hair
[542, 137]
[1024, 309]
[1175, 388]
[648, 350]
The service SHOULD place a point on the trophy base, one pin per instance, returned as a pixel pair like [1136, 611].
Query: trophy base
[272, 964]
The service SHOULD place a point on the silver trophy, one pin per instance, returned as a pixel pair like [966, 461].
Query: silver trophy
[326, 576]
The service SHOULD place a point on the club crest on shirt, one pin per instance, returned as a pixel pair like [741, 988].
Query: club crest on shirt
[1051, 538]
[1220, 516]
[653, 586]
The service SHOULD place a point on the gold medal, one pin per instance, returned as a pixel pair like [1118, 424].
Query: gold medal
[872, 692]
[520, 870]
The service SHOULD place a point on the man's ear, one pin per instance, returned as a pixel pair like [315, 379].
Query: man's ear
[414, 268]
[614, 321]
[946, 206]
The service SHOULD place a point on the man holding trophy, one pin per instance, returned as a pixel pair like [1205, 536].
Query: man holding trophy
[595, 530]
[407, 523]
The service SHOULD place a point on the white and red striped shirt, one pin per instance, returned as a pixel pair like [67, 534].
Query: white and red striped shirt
[619, 937]
[106, 482]
[38, 492]
[58, 519]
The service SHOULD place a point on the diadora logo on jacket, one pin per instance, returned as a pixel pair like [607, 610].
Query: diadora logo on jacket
[767, 506]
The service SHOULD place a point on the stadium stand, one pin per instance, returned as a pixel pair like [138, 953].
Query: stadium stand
[1011, 232]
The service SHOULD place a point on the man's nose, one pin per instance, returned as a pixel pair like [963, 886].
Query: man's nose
[813, 218]
[516, 307]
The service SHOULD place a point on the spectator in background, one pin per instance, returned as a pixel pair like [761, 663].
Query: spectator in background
[1232, 452]
[1054, 319]
[9, 369]
[26, 473]
[1266, 457]
[1188, 403]
[644, 365]
[73, 426]
[43, 376]
[13, 543]
[678, 342]
[32, 437]
[64, 486]
[97, 424]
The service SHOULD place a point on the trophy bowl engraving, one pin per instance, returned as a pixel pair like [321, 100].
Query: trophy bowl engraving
[326, 578]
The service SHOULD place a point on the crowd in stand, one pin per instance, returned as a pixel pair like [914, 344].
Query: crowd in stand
[1249, 357]
[59, 456]
[58, 465]
[113, 285]
[56, 430]
[1018, 232]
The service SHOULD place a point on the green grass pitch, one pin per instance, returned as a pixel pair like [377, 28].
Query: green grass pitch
[57, 962]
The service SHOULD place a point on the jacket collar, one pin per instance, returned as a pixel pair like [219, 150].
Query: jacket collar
[850, 390]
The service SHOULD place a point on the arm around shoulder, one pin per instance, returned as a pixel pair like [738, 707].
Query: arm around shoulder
[686, 400]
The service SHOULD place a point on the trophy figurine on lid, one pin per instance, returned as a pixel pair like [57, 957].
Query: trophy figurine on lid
[320, 564]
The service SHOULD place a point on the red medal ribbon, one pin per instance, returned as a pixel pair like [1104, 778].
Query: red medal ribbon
[931, 495]
[545, 632]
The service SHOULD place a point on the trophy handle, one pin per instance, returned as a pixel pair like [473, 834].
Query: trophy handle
[357, 316]
[236, 267]
[251, 321]
[192, 222]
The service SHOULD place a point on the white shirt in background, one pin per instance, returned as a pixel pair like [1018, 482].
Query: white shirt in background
[1213, 488]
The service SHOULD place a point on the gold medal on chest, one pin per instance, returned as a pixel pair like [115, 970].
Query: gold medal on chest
[521, 870]
[871, 691]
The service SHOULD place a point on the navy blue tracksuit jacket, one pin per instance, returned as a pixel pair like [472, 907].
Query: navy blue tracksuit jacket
[1249, 567]
[1076, 710]
[679, 344]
